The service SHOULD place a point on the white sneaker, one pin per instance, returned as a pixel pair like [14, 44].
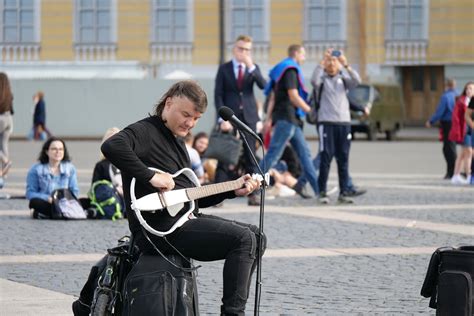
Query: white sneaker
[286, 191]
[458, 180]
[333, 190]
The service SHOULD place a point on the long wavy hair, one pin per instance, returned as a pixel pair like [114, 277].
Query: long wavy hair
[43, 156]
[464, 91]
[6, 96]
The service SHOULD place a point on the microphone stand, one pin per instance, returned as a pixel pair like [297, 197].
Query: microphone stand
[258, 283]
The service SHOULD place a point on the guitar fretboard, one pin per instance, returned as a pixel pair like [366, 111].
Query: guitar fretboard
[212, 189]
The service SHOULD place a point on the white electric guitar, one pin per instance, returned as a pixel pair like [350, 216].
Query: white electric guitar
[173, 201]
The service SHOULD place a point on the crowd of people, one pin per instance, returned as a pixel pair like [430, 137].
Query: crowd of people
[455, 116]
[285, 111]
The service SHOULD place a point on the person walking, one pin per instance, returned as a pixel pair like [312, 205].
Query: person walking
[337, 76]
[287, 107]
[39, 130]
[443, 114]
[157, 141]
[234, 88]
[470, 123]
[461, 134]
[6, 123]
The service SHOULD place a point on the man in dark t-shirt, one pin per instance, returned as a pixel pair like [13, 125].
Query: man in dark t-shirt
[284, 114]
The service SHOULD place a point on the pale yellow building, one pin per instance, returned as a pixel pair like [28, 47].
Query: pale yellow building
[416, 43]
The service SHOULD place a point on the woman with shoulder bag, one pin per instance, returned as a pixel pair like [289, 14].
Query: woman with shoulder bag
[53, 171]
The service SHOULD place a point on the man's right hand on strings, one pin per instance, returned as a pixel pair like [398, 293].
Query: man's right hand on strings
[162, 181]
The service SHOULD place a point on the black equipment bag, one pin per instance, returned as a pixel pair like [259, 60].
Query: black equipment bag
[224, 146]
[156, 287]
[449, 281]
[100, 295]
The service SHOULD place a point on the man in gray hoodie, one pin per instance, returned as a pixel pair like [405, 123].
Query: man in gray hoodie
[336, 76]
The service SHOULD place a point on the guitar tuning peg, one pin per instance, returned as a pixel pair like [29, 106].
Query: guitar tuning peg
[267, 178]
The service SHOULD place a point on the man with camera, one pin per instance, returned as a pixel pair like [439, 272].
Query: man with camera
[336, 76]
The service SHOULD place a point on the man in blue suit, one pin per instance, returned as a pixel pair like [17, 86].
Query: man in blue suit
[234, 88]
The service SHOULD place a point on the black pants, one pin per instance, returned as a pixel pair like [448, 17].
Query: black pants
[46, 209]
[41, 206]
[449, 148]
[210, 238]
[334, 142]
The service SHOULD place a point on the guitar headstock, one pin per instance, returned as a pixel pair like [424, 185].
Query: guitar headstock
[259, 178]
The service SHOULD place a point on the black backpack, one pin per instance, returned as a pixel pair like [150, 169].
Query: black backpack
[155, 287]
[106, 200]
[449, 281]
[314, 103]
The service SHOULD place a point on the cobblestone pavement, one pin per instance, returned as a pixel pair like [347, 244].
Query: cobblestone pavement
[369, 258]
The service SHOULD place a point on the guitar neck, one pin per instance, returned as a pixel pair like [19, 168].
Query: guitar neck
[213, 189]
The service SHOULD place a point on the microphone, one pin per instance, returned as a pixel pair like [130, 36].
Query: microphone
[228, 115]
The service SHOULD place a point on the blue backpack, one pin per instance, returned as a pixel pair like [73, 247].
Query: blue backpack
[105, 199]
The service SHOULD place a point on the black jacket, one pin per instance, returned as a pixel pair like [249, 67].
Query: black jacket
[227, 93]
[149, 143]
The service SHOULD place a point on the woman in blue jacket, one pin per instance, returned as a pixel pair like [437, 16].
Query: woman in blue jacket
[53, 171]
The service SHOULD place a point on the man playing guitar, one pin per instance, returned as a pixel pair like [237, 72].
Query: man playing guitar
[156, 141]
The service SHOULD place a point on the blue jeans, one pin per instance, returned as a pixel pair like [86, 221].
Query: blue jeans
[284, 131]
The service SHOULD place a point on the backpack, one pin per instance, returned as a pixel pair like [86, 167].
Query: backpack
[66, 205]
[105, 199]
[314, 103]
[155, 287]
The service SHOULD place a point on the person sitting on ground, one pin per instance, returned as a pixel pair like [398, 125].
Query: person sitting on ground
[104, 170]
[281, 181]
[53, 171]
[200, 143]
[196, 164]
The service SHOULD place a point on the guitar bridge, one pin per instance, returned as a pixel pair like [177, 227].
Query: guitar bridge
[162, 200]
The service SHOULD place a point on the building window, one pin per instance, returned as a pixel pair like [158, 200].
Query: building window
[407, 19]
[247, 17]
[19, 21]
[172, 21]
[325, 20]
[95, 21]
[171, 31]
[417, 79]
